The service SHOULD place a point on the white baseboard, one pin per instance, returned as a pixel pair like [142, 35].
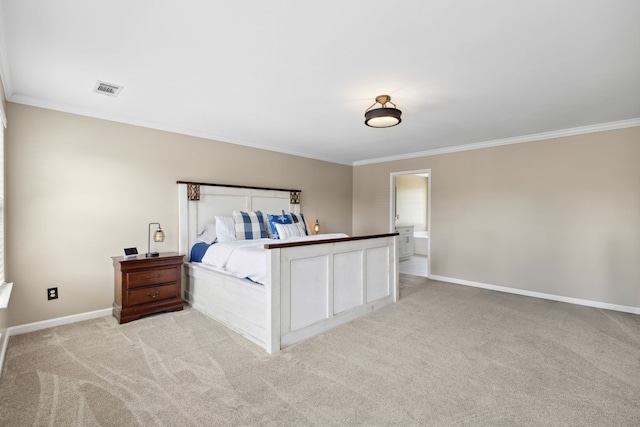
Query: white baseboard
[36, 326]
[577, 301]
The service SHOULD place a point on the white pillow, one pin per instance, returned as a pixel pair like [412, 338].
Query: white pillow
[208, 234]
[290, 230]
[225, 229]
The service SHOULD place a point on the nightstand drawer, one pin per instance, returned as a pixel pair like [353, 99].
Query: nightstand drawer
[153, 294]
[147, 285]
[152, 277]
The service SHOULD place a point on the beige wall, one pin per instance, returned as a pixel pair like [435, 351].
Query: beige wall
[79, 190]
[559, 216]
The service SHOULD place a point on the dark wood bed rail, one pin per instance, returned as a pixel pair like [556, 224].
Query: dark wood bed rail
[236, 186]
[316, 242]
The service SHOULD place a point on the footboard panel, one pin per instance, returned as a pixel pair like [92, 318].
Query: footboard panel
[325, 285]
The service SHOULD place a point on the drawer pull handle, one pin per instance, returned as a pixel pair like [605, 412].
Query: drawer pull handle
[149, 276]
[153, 296]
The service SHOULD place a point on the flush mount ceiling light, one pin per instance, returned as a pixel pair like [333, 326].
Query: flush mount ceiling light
[383, 117]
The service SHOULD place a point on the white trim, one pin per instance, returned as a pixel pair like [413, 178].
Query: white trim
[59, 321]
[508, 141]
[66, 108]
[392, 177]
[3, 116]
[392, 208]
[5, 75]
[5, 294]
[552, 297]
[3, 350]
[35, 102]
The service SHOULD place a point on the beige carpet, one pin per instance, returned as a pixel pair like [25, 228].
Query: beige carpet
[444, 355]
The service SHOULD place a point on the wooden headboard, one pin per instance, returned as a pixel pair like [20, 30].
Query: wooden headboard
[199, 203]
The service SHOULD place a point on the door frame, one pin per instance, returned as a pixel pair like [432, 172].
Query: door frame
[392, 204]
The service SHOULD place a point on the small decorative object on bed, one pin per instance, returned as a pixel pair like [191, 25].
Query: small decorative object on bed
[256, 267]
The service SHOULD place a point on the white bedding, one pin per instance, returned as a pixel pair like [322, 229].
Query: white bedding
[248, 258]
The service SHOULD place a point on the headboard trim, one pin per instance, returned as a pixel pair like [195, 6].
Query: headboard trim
[294, 197]
[200, 203]
[193, 192]
[239, 186]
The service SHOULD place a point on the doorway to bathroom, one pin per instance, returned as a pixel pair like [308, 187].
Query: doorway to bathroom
[411, 217]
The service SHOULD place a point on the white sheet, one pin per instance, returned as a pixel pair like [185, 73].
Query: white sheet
[248, 258]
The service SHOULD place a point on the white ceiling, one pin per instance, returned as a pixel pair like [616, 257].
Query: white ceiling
[297, 76]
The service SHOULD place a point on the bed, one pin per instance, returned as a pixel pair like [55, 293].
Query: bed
[310, 284]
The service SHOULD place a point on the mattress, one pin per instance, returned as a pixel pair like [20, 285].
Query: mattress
[246, 259]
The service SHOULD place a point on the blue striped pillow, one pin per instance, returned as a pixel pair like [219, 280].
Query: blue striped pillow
[249, 225]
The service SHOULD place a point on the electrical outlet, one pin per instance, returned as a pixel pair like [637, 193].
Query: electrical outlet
[52, 293]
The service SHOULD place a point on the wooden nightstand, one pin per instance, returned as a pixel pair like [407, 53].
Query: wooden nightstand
[147, 285]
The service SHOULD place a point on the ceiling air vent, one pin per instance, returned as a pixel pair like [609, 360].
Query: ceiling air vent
[107, 89]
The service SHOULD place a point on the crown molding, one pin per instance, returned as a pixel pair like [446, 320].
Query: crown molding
[508, 141]
[72, 109]
[35, 102]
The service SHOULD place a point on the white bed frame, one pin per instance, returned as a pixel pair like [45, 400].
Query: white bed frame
[312, 286]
